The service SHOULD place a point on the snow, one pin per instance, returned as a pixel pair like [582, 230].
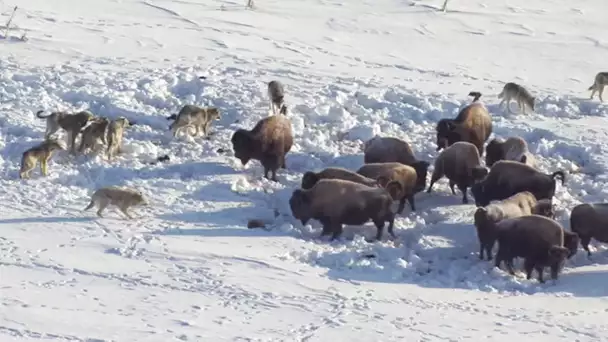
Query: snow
[187, 268]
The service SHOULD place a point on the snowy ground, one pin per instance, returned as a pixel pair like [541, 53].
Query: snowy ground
[188, 268]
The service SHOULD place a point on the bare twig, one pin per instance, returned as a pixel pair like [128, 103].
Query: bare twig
[8, 23]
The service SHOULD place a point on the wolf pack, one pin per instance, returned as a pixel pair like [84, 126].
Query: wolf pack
[513, 197]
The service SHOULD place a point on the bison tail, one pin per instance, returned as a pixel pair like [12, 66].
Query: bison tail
[561, 174]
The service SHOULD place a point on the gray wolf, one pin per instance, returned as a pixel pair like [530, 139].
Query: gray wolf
[41, 153]
[71, 123]
[194, 116]
[601, 80]
[114, 136]
[514, 91]
[123, 198]
[276, 94]
[93, 133]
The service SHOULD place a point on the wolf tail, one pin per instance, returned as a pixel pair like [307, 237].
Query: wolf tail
[592, 86]
[90, 205]
[502, 93]
[39, 114]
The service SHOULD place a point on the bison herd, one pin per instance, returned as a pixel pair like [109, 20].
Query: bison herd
[513, 197]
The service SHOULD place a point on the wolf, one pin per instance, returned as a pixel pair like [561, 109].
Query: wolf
[123, 198]
[601, 80]
[41, 153]
[514, 91]
[71, 123]
[276, 94]
[93, 132]
[194, 116]
[115, 132]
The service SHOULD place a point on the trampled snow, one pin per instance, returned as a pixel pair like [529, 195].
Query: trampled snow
[187, 268]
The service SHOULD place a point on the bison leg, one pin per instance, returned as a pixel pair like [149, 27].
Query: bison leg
[540, 270]
[326, 230]
[481, 249]
[380, 225]
[554, 270]
[401, 205]
[510, 267]
[529, 267]
[412, 204]
[452, 187]
[488, 247]
[585, 240]
[336, 229]
[434, 178]
[274, 175]
[391, 226]
[499, 257]
[463, 189]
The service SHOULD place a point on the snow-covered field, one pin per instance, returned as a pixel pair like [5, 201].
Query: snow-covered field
[187, 268]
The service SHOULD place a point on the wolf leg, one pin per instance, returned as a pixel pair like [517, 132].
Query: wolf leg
[126, 212]
[103, 204]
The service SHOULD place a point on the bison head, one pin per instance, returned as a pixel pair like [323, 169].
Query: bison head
[479, 195]
[299, 203]
[571, 241]
[544, 207]
[494, 152]
[480, 218]
[446, 133]
[557, 256]
[393, 187]
[422, 169]
[242, 144]
[309, 179]
[479, 173]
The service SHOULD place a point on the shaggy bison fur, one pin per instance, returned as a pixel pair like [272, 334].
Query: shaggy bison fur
[520, 204]
[309, 179]
[335, 202]
[537, 239]
[473, 124]
[391, 150]
[461, 164]
[506, 178]
[514, 148]
[590, 221]
[269, 141]
[412, 181]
